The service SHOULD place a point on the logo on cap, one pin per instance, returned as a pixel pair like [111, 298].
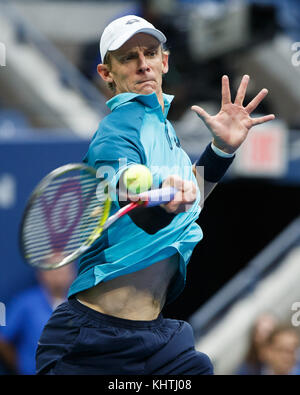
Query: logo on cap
[131, 21]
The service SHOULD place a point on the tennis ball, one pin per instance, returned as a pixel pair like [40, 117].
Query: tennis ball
[137, 179]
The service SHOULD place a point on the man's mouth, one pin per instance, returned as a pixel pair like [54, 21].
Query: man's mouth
[144, 81]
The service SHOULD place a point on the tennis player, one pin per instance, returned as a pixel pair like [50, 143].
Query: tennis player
[112, 321]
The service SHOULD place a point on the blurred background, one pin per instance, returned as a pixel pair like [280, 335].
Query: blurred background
[51, 102]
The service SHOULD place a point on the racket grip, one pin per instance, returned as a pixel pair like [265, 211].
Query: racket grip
[159, 196]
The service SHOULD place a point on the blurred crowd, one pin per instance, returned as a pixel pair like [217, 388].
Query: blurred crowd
[26, 315]
[273, 348]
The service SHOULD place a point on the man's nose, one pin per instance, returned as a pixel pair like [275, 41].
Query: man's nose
[142, 64]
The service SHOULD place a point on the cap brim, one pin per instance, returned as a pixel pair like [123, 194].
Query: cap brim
[122, 40]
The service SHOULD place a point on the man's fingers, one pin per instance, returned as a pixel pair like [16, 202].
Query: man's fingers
[173, 181]
[266, 118]
[186, 194]
[200, 112]
[186, 190]
[240, 96]
[255, 102]
[226, 95]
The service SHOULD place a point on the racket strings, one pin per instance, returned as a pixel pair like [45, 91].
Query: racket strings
[62, 217]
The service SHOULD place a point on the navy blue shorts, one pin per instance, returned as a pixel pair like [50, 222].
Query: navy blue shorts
[79, 340]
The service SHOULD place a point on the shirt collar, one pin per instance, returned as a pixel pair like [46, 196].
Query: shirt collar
[148, 100]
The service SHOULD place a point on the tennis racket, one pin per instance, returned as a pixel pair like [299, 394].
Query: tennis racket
[68, 210]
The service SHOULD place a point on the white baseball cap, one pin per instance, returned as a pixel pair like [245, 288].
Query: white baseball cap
[122, 29]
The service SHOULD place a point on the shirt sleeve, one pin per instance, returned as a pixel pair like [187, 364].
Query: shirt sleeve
[117, 143]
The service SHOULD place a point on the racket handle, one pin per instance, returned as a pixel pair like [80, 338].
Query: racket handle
[159, 196]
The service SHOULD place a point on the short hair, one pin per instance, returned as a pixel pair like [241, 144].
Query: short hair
[279, 329]
[107, 61]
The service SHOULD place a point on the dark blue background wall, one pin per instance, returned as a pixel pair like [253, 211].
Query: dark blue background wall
[24, 160]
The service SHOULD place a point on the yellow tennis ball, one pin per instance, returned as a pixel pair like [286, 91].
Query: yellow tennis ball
[137, 179]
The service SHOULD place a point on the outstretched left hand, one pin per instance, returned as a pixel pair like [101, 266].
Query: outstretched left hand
[231, 125]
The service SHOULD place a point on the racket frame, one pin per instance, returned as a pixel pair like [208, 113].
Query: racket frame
[37, 191]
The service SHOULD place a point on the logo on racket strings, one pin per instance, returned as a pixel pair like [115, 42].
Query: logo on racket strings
[63, 212]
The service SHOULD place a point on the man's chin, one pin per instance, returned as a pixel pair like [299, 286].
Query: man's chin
[147, 87]
[145, 90]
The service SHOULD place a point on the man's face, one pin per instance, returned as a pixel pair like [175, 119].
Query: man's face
[281, 354]
[138, 66]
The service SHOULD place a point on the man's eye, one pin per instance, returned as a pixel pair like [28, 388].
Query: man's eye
[127, 58]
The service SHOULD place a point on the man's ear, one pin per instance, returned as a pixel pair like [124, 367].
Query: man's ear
[165, 62]
[104, 72]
